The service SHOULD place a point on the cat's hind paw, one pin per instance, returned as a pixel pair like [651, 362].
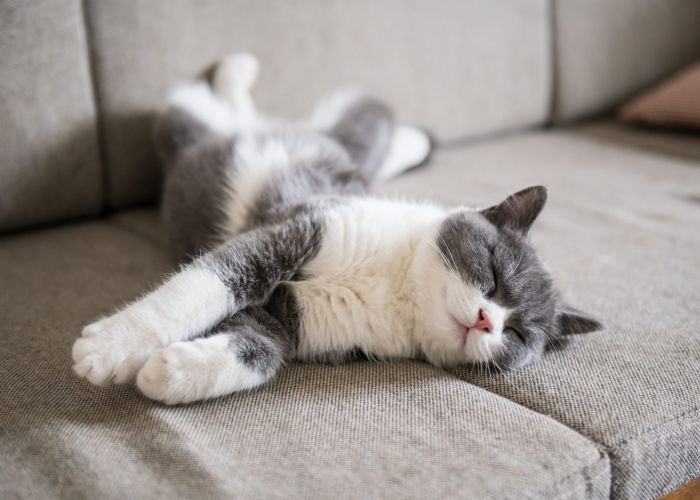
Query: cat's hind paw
[191, 371]
[233, 80]
[181, 373]
[237, 71]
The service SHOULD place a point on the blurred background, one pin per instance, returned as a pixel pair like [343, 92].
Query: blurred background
[81, 80]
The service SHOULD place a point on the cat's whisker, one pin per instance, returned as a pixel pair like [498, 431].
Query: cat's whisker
[452, 258]
[503, 371]
[517, 264]
[442, 255]
[437, 249]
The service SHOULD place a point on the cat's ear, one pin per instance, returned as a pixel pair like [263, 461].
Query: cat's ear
[519, 210]
[573, 321]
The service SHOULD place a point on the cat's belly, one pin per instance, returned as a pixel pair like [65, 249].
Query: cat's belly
[338, 315]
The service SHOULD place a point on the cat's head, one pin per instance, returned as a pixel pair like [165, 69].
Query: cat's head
[486, 297]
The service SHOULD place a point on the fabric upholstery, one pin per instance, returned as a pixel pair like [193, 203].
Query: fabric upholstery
[399, 430]
[607, 51]
[49, 168]
[458, 67]
[620, 235]
[675, 102]
[674, 143]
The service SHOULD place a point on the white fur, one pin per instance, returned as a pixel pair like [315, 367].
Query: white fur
[443, 300]
[198, 100]
[380, 284]
[255, 159]
[190, 371]
[233, 80]
[228, 108]
[115, 348]
[359, 292]
[409, 148]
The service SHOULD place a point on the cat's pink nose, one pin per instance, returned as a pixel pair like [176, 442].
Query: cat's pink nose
[484, 322]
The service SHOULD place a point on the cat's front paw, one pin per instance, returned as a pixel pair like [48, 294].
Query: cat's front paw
[112, 350]
[182, 373]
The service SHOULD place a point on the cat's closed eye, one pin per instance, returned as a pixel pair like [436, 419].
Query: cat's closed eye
[491, 291]
[516, 332]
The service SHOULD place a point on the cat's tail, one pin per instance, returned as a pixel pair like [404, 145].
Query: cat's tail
[366, 128]
[198, 112]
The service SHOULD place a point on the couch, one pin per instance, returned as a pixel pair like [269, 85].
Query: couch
[516, 93]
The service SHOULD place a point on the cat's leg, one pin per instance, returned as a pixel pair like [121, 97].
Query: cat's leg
[410, 147]
[194, 115]
[242, 352]
[239, 274]
[197, 113]
[365, 127]
[233, 80]
[113, 349]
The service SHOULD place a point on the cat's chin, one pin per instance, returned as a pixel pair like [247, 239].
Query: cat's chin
[461, 330]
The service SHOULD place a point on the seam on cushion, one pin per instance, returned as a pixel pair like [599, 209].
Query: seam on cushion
[135, 233]
[97, 103]
[607, 449]
[603, 454]
[603, 458]
[652, 430]
[618, 449]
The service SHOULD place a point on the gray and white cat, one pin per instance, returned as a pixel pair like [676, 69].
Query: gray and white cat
[292, 259]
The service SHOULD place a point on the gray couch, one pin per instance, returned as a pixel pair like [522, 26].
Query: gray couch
[509, 89]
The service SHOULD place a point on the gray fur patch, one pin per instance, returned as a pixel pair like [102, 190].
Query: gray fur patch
[329, 172]
[505, 267]
[175, 131]
[365, 130]
[193, 197]
[257, 339]
[253, 264]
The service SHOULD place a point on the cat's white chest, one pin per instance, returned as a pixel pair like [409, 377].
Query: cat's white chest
[360, 292]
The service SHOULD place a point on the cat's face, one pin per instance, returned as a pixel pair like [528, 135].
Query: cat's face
[487, 297]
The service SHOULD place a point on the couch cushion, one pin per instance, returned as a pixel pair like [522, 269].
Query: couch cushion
[607, 51]
[399, 430]
[682, 145]
[49, 168]
[620, 234]
[458, 67]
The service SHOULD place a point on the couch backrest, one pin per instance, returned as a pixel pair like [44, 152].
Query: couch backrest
[73, 72]
[437, 63]
[49, 167]
[608, 50]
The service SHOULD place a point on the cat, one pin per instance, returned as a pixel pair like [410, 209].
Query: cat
[287, 256]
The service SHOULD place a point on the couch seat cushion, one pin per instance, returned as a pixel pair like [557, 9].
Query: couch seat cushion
[398, 430]
[621, 234]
